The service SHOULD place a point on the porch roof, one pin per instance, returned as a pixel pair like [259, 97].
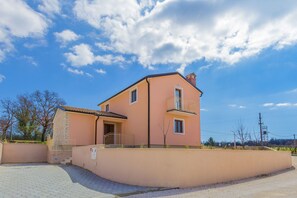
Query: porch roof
[92, 112]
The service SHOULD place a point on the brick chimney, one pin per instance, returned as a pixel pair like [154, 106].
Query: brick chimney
[191, 78]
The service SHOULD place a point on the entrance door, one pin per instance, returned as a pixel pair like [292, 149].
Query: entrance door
[109, 133]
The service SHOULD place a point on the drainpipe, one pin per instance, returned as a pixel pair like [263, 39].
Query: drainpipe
[96, 129]
[148, 115]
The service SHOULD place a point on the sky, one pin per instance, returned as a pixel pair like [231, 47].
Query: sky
[243, 52]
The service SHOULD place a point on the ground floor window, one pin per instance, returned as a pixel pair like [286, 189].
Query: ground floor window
[179, 126]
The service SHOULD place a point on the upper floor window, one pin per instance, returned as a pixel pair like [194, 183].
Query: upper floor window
[178, 98]
[107, 108]
[179, 126]
[133, 96]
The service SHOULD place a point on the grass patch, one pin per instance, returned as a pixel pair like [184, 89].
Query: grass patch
[27, 142]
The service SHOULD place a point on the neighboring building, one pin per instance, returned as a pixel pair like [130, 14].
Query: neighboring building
[139, 115]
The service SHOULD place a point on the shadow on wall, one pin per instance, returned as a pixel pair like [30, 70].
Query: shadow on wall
[99, 184]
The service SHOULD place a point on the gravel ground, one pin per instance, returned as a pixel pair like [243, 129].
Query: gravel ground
[282, 184]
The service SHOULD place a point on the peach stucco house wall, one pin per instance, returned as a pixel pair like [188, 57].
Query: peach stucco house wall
[162, 100]
[136, 116]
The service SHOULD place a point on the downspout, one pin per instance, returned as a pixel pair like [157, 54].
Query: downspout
[96, 129]
[148, 115]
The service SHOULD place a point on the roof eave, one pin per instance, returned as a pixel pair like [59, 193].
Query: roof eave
[149, 76]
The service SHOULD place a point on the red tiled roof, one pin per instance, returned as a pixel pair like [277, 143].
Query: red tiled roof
[92, 112]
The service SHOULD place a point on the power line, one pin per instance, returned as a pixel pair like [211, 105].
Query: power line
[283, 136]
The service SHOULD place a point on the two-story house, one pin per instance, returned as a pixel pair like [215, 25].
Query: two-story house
[156, 110]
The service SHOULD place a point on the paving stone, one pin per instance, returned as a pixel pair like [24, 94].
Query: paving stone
[44, 180]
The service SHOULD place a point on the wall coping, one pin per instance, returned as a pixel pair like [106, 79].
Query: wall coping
[182, 149]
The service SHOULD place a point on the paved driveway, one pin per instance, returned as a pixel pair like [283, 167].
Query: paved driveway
[43, 180]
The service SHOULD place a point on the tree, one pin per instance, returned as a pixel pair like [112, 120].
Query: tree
[210, 142]
[46, 103]
[7, 118]
[256, 137]
[26, 116]
[164, 131]
[241, 133]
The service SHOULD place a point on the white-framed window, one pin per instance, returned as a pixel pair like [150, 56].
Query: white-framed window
[107, 108]
[178, 126]
[133, 96]
[178, 98]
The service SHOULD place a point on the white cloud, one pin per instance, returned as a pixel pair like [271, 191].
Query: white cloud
[269, 104]
[17, 19]
[66, 36]
[203, 109]
[182, 68]
[237, 106]
[280, 105]
[89, 75]
[163, 33]
[50, 8]
[285, 104]
[100, 71]
[82, 55]
[79, 72]
[205, 67]
[291, 91]
[2, 78]
[75, 71]
[104, 46]
[110, 59]
[113, 10]
[30, 60]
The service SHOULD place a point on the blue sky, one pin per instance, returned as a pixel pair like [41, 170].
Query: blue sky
[244, 55]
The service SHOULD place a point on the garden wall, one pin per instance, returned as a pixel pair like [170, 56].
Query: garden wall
[1, 148]
[24, 153]
[178, 167]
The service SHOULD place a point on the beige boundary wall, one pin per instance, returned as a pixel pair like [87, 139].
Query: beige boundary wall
[178, 167]
[24, 153]
[1, 149]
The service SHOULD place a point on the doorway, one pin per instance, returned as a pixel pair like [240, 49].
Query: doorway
[109, 133]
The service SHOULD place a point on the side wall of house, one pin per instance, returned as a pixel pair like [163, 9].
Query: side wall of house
[162, 99]
[136, 124]
[81, 128]
[60, 131]
[70, 129]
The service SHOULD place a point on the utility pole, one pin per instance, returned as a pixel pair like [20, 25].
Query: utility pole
[260, 124]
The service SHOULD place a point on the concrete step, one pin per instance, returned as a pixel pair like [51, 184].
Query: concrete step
[67, 161]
